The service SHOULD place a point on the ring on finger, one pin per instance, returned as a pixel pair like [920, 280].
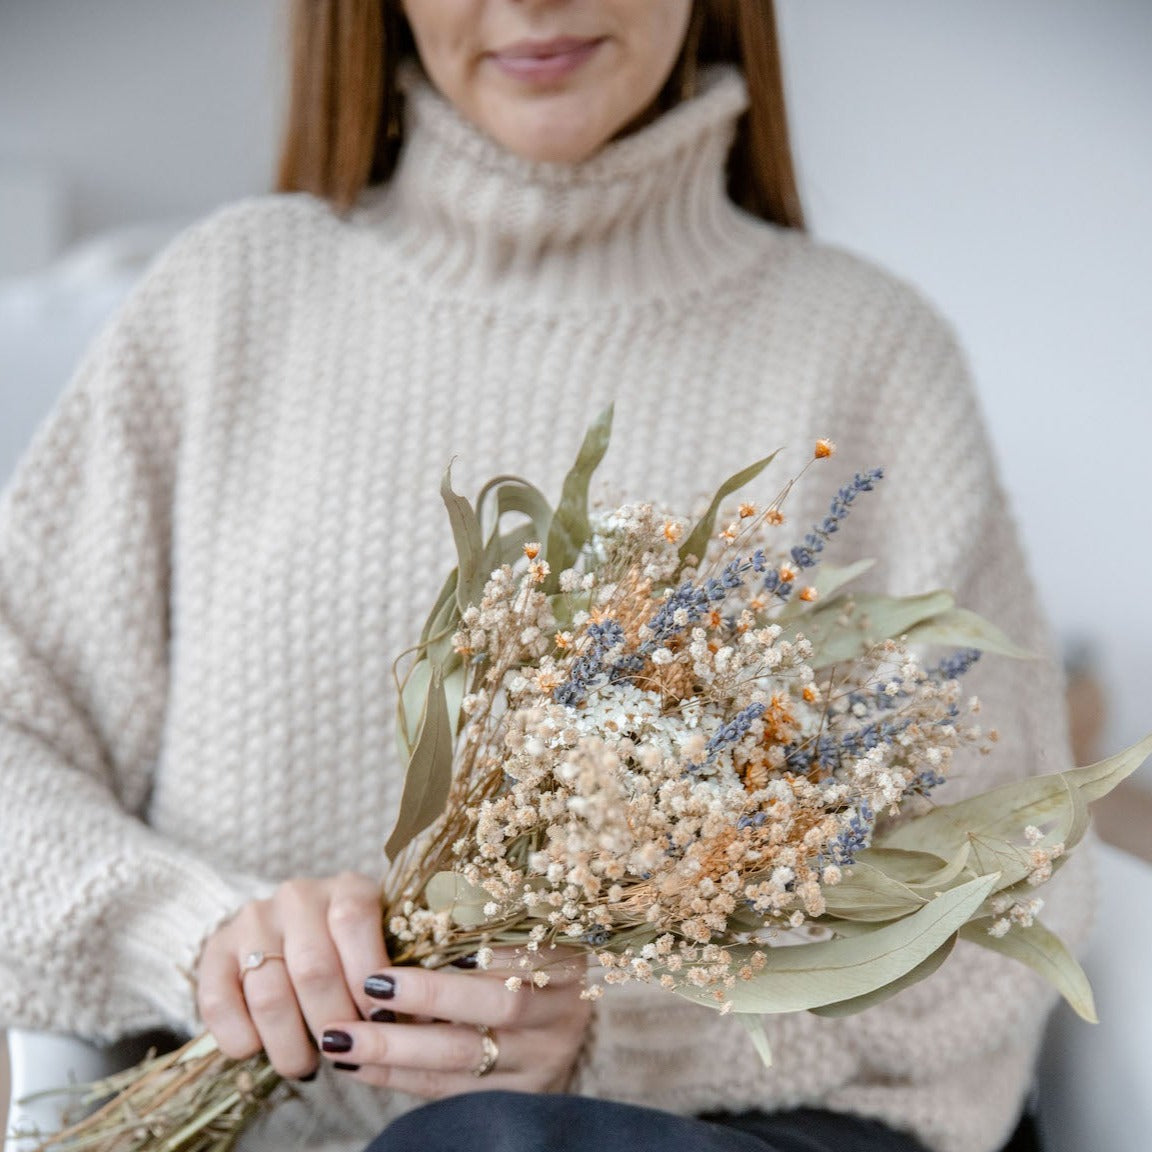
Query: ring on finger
[489, 1051]
[253, 960]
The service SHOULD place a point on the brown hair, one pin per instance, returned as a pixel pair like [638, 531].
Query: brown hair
[345, 119]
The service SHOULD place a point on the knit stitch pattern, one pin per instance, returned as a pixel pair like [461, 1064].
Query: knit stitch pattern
[230, 527]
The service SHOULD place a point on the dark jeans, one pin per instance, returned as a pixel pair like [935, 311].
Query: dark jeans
[518, 1122]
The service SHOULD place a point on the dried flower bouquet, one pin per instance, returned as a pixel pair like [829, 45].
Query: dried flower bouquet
[678, 749]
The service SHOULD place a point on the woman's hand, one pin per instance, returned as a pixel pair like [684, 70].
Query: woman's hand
[320, 940]
[324, 982]
[482, 1033]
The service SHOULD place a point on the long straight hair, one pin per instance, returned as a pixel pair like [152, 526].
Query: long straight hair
[345, 118]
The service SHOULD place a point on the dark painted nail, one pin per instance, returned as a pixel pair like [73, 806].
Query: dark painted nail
[334, 1041]
[383, 1016]
[310, 1077]
[380, 987]
[345, 1067]
[469, 961]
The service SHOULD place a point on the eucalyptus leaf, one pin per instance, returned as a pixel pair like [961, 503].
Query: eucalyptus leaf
[443, 607]
[429, 776]
[924, 872]
[696, 542]
[469, 542]
[1044, 952]
[829, 580]
[870, 619]
[921, 972]
[866, 893]
[516, 495]
[448, 892]
[570, 527]
[410, 706]
[992, 823]
[1097, 780]
[961, 628]
[754, 1026]
[810, 976]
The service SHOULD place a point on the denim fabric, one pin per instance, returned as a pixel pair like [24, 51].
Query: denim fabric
[519, 1122]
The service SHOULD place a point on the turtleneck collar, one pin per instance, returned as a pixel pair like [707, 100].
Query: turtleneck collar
[647, 217]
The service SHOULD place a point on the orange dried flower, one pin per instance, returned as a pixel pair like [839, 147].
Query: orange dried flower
[808, 594]
[824, 449]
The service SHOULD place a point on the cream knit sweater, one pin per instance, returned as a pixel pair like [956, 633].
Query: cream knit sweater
[230, 526]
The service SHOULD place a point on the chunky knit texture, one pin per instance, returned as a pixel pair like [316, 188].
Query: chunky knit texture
[230, 526]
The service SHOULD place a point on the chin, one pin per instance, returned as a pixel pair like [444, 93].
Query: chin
[549, 138]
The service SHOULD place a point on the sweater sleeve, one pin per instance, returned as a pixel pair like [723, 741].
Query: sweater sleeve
[101, 919]
[944, 521]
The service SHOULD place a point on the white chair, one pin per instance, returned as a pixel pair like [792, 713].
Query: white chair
[1096, 1080]
[1095, 1086]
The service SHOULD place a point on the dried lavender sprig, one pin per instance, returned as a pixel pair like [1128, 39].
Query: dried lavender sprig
[807, 555]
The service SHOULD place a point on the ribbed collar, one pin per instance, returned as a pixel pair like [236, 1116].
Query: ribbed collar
[647, 217]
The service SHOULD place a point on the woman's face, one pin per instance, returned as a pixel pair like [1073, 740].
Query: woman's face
[550, 80]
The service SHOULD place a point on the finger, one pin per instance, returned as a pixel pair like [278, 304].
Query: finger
[312, 959]
[356, 928]
[429, 1085]
[221, 1002]
[450, 1049]
[273, 1008]
[465, 998]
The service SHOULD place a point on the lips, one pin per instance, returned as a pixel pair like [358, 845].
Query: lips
[546, 59]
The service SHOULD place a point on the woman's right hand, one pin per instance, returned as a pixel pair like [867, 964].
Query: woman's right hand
[321, 939]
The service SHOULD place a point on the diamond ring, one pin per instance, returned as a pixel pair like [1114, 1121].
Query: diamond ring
[253, 960]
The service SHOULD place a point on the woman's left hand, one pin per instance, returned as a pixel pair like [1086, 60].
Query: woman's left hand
[535, 1032]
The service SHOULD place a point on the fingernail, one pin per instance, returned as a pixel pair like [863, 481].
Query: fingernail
[469, 961]
[380, 987]
[334, 1041]
[345, 1067]
[383, 1016]
[310, 1077]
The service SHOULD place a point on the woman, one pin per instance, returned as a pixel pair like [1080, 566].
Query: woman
[216, 547]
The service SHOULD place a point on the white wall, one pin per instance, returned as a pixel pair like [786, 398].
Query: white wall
[996, 154]
[141, 109]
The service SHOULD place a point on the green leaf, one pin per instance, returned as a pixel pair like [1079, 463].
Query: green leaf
[919, 870]
[410, 706]
[1097, 780]
[992, 824]
[469, 542]
[696, 543]
[429, 775]
[754, 1026]
[444, 607]
[812, 975]
[570, 528]
[913, 976]
[516, 495]
[830, 580]
[870, 619]
[960, 628]
[866, 893]
[447, 891]
[1044, 952]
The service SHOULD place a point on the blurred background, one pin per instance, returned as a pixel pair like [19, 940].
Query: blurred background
[997, 155]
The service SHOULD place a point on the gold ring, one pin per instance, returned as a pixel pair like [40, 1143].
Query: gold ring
[254, 960]
[489, 1051]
